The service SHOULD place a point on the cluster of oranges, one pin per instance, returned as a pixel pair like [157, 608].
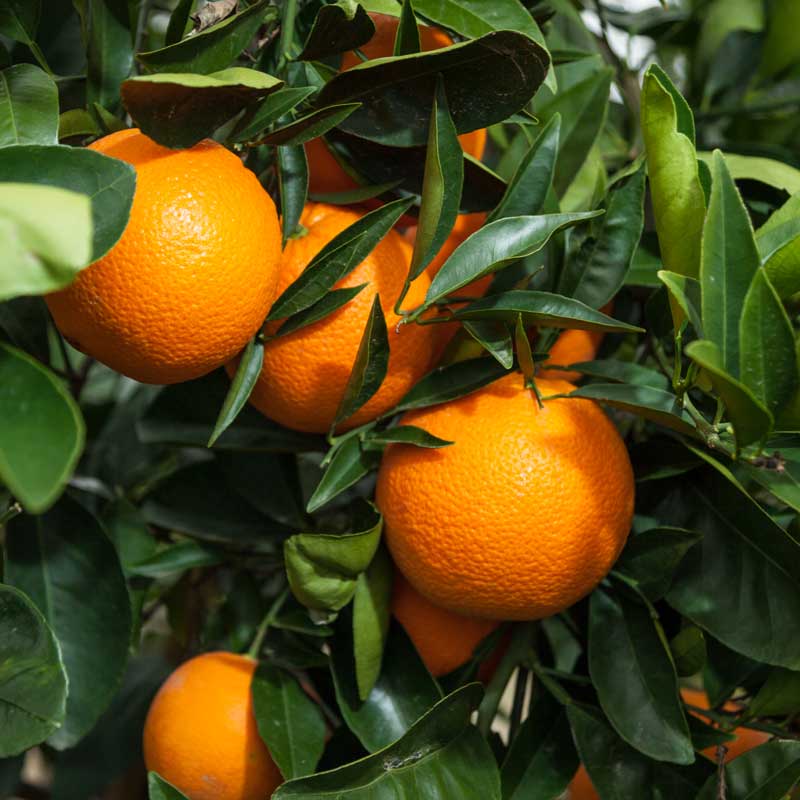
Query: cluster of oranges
[521, 517]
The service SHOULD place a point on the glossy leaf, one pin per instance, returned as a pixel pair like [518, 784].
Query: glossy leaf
[337, 28]
[327, 304]
[293, 183]
[495, 338]
[778, 241]
[289, 721]
[33, 683]
[399, 91]
[182, 109]
[59, 560]
[685, 292]
[406, 40]
[178, 21]
[43, 433]
[622, 372]
[634, 675]
[677, 195]
[441, 749]
[310, 126]
[213, 49]
[270, 110]
[404, 434]
[688, 650]
[108, 182]
[28, 106]
[159, 789]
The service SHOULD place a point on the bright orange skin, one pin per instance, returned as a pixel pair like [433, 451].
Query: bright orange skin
[746, 739]
[325, 174]
[201, 736]
[444, 640]
[305, 373]
[194, 273]
[522, 516]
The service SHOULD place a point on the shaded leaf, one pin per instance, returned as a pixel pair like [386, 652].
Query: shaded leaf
[778, 241]
[337, 28]
[270, 110]
[406, 40]
[293, 184]
[310, 126]
[622, 372]
[495, 338]
[177, 558]
[684, 291]
[179, 22]
[327, 304]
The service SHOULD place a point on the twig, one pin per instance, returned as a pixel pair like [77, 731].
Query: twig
[273, 612]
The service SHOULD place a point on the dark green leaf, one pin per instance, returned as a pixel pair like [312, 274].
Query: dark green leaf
[271, 109]
[42, 434]
[622, 372]
[685, 292]
[289, 721]
[178, 22]
[310, 126]
[323, 569]
[182, 109]
[19, 19]
[293, 183]
[688, 649]
[404, 434]
[782, 476]
[400, 91]
[652, 557]
[10, 774]
[635, 678]
[337, 259]
[25, 321]
[495, 338]
[159, 789]
[28, 106]
[247, 372]
[213, 49]
[177, 558]
[407, 41]
[440, 750]
[337, 28]
[77, 122]
[779, 695]
[522, 346]
[60, 560]
[33, 684]
[326, 305]
[108, 182]
[726, 670]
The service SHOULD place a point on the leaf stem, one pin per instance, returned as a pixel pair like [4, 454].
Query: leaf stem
[15, 509]
[273, 612]
[287, 32]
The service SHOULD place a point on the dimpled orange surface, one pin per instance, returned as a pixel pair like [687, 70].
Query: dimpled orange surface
[305, 373]
[522, 516]
[201, 736]
[443, 639]
[194, 273]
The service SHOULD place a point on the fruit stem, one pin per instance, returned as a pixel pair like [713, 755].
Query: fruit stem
[274, 610]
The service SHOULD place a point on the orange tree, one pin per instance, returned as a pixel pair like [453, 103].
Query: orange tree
[399, 399]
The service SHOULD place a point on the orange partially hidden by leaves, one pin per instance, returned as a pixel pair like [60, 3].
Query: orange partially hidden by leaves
[522, 516]
[325, 175]
[201, 735]
[194, 273]
[443, 639]
[305, 373]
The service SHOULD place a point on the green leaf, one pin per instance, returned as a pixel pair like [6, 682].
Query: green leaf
[544, 309]
[293, 184]
[404, 434]
[677, 195]
[750, 419]
[399, 91]
[653, 404]
[371, 604]
[779, 695]
[77, 122]
[542, 759]
[247, 372]
[182, 109]
[179, 21]
[685, 118]
[337, 259]
[406, 40]
[495, 338]
[46, 238]
[323, 569]
[19, 19]
[441, 186]
[33, 684]
[755, 168]
[742, 584]
[404, 690]
[528, 188]
[43, 433]
[767, 350]
[688, 650]
[270, 110]
[440, 750]
[780, 478]
[213, 49]
[622, 372]
[595, 273]
[28, 106]
[685, 292]
[177, 558]
[310, 126]
[159, 789]
[61, 559]
[370, 366]
[337, 28]
[652, 557]
[451, 382]
[729, 263]
[327, 304]
[635, 678]
[522, 346]
[779, 50]
[25, 321]
[767, 772]
[496, 245]
[108, 182]
[778, 241]
[289, 721]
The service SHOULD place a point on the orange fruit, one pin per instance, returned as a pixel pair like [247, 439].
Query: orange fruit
[194, 273]
[443, 639]
[522, 516]
[325, 173]
[305, 373]
[201, 735]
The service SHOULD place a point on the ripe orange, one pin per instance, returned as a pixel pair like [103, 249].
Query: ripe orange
[325, 173]
[194, 273]
[522, 516]
[305, 373]
[201, 735]
[443, 639]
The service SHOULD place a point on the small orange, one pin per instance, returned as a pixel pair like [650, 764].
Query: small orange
[325, 173]
[522, 516]
[194, 273]
[201, 735]
[305, 373]
[443, 639]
